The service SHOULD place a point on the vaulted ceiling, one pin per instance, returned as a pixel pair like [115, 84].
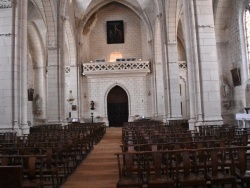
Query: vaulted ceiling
[83, 5]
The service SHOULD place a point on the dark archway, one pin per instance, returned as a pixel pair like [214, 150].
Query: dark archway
[117, 107]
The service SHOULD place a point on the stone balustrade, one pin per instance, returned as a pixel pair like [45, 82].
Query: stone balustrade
[125, 67]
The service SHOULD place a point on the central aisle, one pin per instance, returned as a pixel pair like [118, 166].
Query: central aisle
[99, 169]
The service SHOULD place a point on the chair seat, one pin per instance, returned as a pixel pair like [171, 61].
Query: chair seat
[155, 179]
[221, 177]
[243, 176]
[30, 184]
[192, 179]
[129, 181]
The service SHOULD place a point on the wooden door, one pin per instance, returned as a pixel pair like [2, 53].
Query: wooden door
[117, 107]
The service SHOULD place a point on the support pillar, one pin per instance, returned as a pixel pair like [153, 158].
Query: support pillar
[171, 63]
[23, 64]
[40, 89]
[188, 22]
[203, 74]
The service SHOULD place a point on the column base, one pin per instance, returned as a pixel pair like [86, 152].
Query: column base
[192, 122]
[25, 129]
[106, 121]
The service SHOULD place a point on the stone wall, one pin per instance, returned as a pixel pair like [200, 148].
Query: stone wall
[132, 46]
[97, 88]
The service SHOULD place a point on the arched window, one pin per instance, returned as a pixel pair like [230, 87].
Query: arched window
[247, 25]
[248, 31]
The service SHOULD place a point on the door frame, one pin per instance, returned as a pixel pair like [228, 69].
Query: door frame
[106, 99]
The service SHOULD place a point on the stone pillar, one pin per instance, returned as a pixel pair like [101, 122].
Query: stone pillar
[40, 89]
[188, 25]
[165, 68]
[80, 93]
[23, 66]
[158, 71]
[203, 74]
[209, 88]
[243, 50]
[242, 40]
[56, 72]
[61, 64]
[172, 66]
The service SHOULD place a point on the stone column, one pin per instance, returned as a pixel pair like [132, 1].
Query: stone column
[159, 68]
[243, 50]
[80, 94]
[208, 101]
[203, 74]
[165, 68]
[171, 61]
[40, 89]
[188, 24]
[23, 66]
[61, 69]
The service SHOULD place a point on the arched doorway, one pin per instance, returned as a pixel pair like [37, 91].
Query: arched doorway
[117, 107]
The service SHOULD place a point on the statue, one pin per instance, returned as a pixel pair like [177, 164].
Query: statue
[226, 88]
[38, 109]
[226, 92]
[92, 105]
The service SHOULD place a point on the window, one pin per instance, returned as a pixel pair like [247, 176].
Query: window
[248, 31]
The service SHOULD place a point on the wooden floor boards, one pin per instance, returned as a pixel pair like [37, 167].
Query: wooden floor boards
[99, 169]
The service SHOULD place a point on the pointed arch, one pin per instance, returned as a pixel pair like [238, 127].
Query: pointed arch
[106, 97]
[137, 11]
[117, 106]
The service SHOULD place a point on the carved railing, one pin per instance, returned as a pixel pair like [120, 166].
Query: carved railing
[125, 67]
[182, 64]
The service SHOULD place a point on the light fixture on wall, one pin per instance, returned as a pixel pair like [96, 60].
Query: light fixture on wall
[85, 96]
[115, 55]
[149, 93]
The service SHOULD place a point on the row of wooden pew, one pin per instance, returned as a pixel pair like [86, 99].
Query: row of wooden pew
[156, 155]
[46, 156]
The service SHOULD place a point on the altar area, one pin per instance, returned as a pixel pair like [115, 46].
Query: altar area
[243, 120]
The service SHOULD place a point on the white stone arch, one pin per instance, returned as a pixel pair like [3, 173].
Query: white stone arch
[71, 43]
[37, 51]
[141, 15]
[90, 14]
[105, 97]
[69, 31]
[51, 17]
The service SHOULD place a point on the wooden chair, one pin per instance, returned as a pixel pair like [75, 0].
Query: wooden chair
[49, 170]
[159, 172]
[218, 174]
[241, 171]
[188, 175]
[11, 176]
[129, 172]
